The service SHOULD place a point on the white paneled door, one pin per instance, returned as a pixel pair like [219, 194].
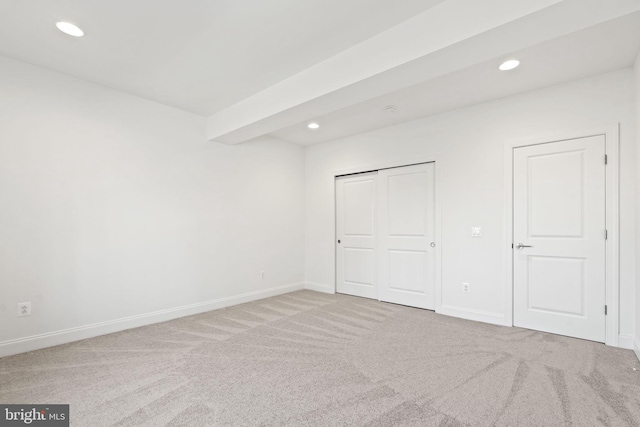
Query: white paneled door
[356, 228]
[385, 235]
[559, 237]
[406, 200]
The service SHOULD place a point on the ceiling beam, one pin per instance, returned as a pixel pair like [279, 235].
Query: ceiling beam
[451, 36]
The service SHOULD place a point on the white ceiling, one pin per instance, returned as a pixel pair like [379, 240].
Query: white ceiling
[257, 67]
[606, 47]
[197, 55]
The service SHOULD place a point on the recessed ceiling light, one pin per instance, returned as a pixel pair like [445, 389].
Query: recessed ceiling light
[70, 29]
[509, 65]
[313, 125]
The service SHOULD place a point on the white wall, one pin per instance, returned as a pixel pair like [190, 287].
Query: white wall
[469, 147]
[113, 206]
[636, 345]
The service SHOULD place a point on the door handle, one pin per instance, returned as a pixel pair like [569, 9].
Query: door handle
[520, 246]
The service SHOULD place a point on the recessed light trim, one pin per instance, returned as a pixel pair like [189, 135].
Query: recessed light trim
[70, 29]
[509, 65]
[313, 125]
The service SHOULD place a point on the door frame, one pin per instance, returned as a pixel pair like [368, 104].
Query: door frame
[611, 134]
[388, 165]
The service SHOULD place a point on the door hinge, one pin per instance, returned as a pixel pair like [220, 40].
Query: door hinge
[606, 234]
[512, 246]
[606, 159]
[605, 310]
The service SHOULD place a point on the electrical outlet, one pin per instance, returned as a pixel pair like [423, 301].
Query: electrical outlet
[465, 287]
[476, 231]
[262, 274]
[24, 309]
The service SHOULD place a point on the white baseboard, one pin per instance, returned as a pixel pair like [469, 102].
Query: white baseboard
[319, 287]
[35, 342]
[636, 347]
[476, 315]
[625, 341]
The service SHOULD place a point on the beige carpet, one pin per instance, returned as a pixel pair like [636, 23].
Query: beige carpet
[312, 359]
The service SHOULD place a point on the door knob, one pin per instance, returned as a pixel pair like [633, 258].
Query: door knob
[338, 241]
[520, 246]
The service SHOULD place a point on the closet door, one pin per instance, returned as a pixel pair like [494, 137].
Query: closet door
[406, 235]
[355, 235]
